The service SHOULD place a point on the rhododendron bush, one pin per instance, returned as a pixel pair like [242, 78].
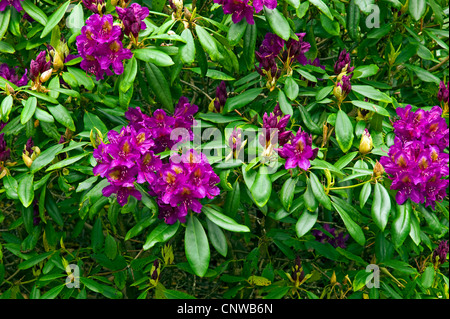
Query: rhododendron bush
[223, 149]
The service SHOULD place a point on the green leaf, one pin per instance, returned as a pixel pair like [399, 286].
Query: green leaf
[311, 202]
[82, 79]
[54, 19]
[414, 232]
[242, 99]
[217, 238]
[233, 200]
[236, 32]
[174, 294]
[344, 131]
[287, 192]
[25, 190]
[364, 5]
[417, 8]
[159, 85]
[322, 7]
[285, 105]
[129, 75]
[75, 20]
[353, 17]
[43, 116]
[5, 47]
[66, 162]
[422, 74]
[262, 187]
[427, 277]
[196, 246]
[330, 26]
[5, 16]
[35, 12]
[309, 123]
[371, 107]
[187, 50]
[278, 23]
[110, 247]
[61, 115]
[381, 206]
[306, 221]
[364, 194]
[371, 93]
[5, 108]
[365, 71]
[223, 221]
[34, 260]
[353, 229]
[53, 210]
[162, 233]
[250, 36]
[45, 157]
[154, 56]
[214, 74]
[207, 41]
[401, 226]
[319, 192]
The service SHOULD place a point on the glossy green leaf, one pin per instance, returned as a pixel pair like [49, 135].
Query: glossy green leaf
[236, 32]
[306, 222]
[196, 246]
[223, 221]
[319, 192]
[207, 41]
[155, 56]
[25, 190]
[187, 50]
[35, 12]
[344, 131]
[381, 206]
[45, 157]
[160, 234]
[322, 7]
[242, 99]
[353, 228]
[278, 23]
[159, 85]
[401, 225]
[262, 187]
[54, 19]
[62, 115]
[287, 192]
[311, 202]
[217, 238]
[417, 8]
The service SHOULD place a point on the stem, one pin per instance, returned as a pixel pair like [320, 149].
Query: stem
[351, 186]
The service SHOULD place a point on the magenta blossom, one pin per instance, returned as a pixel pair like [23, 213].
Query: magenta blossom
[132, 18]
[10, 74]
[12, 3]
[299, 152]
[96, 6]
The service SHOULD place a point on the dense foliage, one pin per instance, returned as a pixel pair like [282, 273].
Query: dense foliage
[224, 149]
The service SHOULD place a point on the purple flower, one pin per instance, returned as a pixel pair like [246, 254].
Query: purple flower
[39, 66]
[4, 151]
[297, 271]
[122, 193]
[274, 128]
[441, 251]
[299, 152]
[13, 3]
[182, 183]
[343, 64]
[239, 9]
[10, 74]
[259, 4]
[416, 162]
[100, 45]
[443, 93]
[132, 18]
[336, 240]
[96, 6]
[28, 147]
[221, 97]
[235, 141]
[343, 87]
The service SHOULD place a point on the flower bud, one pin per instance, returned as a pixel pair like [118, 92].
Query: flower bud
[366, 144]
[46, 76]
[378, 170]
[9, 89]
[96, 137]
[27, 160]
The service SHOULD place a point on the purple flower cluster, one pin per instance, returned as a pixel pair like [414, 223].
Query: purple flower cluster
[240, 9]
[416, 161]
[4, 151]
[221, 97]
[132, 19]
[299, 152]
[131, 157]
[336, 240]
[10, 3]
[96, 6]
[100, 45]
[273, 49]
[40, 70]
[441, 251]
[342, 65]
[274, 128]
[10, 74]
[183, 181]
[443, 93]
